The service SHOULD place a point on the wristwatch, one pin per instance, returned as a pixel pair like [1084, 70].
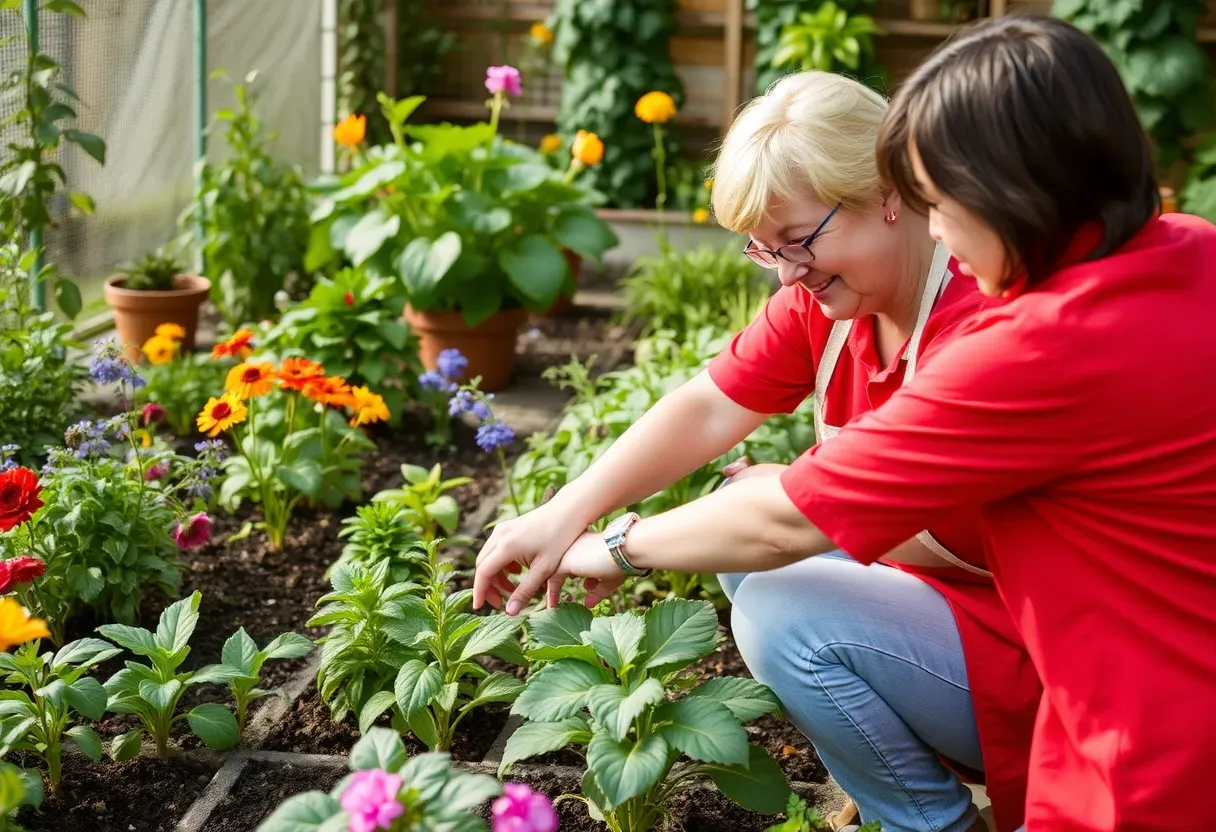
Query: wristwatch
[614, 536]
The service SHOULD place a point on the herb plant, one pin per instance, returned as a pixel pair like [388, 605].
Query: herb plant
[242, 661]
[151, 691]
[381, 532]
[426, 791]
[772, 18]
[799, 817]
[614, 687]
[18, 787]
[58, 690]
[155, 271]
[424, 495]
[828, 39]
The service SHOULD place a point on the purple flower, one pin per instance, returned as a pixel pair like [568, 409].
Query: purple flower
[431, 380]
[494, 435]
[211, 451]
[503, 79]
[370, 798]
[452, 364]
[7, 463]
[522, 810]
[481, 410]
[462, 402]
[109, 370]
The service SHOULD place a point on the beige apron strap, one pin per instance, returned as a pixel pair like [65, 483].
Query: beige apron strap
[935, 284]
[837, 338]
[931, 543]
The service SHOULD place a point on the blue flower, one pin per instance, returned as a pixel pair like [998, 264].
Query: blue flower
[452, 364]
[431, 380]
[7, 463]
[494, 435]
[481, 410]
[92, 447]
[109, 370]
[462, 402]
[78, 433]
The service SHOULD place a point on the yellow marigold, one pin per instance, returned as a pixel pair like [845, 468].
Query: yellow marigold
[17, 627]
[220, 414]
[541, 33]
[655, 107]
[249, 380]
[171, 331]
[159, 349]
[588, 148]
[700, 216]
[369, 407]
[350, 131]
[551, 143]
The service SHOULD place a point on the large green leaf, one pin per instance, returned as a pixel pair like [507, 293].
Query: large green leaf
[88, 697]
[369, 234]
[533, 738]
[704, 730]
[304, 475]
[240, 651]
[580, 230]
[378, 748]
[558, 691]
[215, 725]
[136, 639]
[423, 263]
[379, 702]
[302, 813]
[582, 652]
[161, 696]
[67, 297]
[87, 741]
[492, 632]
[177, 623]
[84, 651]
[289, 646]
[497, 687]
[747, 699]
[560, 626]
[126, 746]
[535, 268]
[618, 639]
[616, 708]
[760, 785]
[416, 685]
[87, 142]
[679, 631]
[625, 769]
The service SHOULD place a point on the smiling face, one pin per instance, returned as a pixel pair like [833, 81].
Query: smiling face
[851, 275]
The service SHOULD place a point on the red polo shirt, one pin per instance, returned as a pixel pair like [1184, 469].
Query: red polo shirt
[1080, 420]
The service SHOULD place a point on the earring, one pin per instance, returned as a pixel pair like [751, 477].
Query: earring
[890, 216]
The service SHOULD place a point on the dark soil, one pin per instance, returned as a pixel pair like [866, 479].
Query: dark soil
[143, 795]
[584, 332]
[260, 790]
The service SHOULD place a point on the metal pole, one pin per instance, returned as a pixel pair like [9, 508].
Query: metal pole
[31, 33]
[200, 120]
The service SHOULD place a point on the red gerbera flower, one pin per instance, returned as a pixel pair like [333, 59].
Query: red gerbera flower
[19, 571]
[19, 489]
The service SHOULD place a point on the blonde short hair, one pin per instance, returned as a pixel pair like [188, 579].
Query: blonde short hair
[810, 136]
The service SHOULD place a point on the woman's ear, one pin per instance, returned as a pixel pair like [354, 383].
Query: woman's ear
[892, 202]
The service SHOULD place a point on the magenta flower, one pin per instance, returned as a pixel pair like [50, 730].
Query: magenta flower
[371, 800]
[504, 79]
[194, 532]
[156, 472]
[152, 412]
[523, 810]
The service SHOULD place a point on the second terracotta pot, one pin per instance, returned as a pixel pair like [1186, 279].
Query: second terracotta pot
[137, 314]
[489, 346]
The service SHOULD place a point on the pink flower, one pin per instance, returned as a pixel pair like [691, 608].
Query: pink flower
[19, 570]
[194, 532]
[156, 472]
[523, 810]
[371, 800]
[152, 412]
[503, 79]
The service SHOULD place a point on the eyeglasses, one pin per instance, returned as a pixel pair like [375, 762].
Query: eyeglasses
[794, 252]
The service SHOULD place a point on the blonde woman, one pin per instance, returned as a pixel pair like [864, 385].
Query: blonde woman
[887, 670]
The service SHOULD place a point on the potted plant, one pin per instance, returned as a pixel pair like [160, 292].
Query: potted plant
[152, 292]
[474, 225]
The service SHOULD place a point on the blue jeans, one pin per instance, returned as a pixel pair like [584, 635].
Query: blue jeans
[869, 666]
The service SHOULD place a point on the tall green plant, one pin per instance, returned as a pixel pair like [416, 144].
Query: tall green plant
[773, 16]
[829, 40]
[254, 220]
[1153, 44]
[362, 46]
[611, 55]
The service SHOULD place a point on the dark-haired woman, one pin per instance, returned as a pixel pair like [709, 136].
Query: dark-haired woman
[1078, 417]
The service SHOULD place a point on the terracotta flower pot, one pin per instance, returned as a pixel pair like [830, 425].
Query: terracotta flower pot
[138, 313]
[489, 346]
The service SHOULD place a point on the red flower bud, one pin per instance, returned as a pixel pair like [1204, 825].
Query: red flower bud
[349, 298]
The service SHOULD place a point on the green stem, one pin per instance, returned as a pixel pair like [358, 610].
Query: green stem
[506, 474]
[660, 159]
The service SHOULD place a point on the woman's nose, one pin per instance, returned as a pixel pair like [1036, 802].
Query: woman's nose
[790, 273]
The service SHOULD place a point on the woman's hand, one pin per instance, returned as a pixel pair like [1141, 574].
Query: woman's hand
[742, 469]
[588, 558]
[537, 540]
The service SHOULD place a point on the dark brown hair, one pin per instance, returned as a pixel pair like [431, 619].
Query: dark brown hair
[1024, 121]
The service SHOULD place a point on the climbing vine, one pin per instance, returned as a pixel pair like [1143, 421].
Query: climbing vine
[361, 60]
[774, 17]
[611, 54]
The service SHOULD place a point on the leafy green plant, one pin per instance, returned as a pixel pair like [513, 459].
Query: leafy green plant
[682, 291]
[430, 509]
[352, 326]
[434, 797]
[241, 662]
[182, 386]
[254, 220]
[58, 691]
[442, 683]
[381, 532]
[773, 16]
[828, 39]
[362, 46]
[18, 787]
[799, 817]
[470, 221]
[1153, 44]
[421, 46]
[151, 691]
[155, 271]
[611, 55]
[614, 687]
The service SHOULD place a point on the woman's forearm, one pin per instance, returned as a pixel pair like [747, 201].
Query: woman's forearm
[693, 425]
[710, 534]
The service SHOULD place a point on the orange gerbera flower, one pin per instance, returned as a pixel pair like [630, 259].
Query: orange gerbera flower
[222, 413]
[237, 345]
[369, 407]
[332, 391]
[247, 380]
[297, 372]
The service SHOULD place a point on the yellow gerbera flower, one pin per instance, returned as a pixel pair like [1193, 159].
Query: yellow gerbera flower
[350, 131]
[369, 407]
[655, 107]
[160, 349]
[247, 380]
[17, 627]
[171, 331]
[551, 143]
[220, 414]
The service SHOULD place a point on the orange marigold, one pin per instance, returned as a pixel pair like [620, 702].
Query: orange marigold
[246, 380]
[368, 406]
[297, 372]
[237, 345]
[332, 391]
